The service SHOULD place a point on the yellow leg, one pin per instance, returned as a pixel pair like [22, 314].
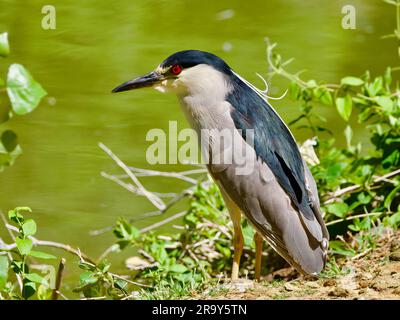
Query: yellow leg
[259, 243]
[238, 242]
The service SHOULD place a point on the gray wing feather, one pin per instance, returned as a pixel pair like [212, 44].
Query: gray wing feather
[266, 205]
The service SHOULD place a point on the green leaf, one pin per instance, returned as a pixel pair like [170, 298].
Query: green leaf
[24, 245]
[323, 95]
[390, 197]
[29, 227]
[224, 250]
[120, 284]
[3, 271]
[86, 266]
[338, 247]
[29, 289]
[374, 88]
[126, 232]
[9, 140]
[34, 277]
[386, 103]
[338, 209]
[294, 90]
[352, 81]
[178, 268]
[16, 266]
[393, 220]
[392, 159]
[388, 76]
[15, 216]
[88, 278]
[104, 266]
[41, 255]
[364, 198]
[344, 106]
[24, 92]
[4, 45]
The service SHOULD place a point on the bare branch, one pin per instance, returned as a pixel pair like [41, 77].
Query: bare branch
[155, 200]
[354, 217]
[83, 257]
[56, 290]
[176, 175]
[165, 221]
[334, 195]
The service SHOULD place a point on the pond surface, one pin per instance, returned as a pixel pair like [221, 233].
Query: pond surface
[99, 44]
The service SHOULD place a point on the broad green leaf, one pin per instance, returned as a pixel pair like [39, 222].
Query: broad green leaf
[344, 106]
[26, 209]
[34, 277]
[338, 209]
[390, 197]
[41, 255]
[326, 98]
[386, 103]
[15, 216]
[338, 247]
[29, 227]
[391, 159]
[178, 268]
[352, 81]
[374, 88]
[29, 289]
[3, 271]
[392, 220]
[125, 231]
[224, 250]
[4, 45]
[364, 198]
[121, 284]
[24, 245]
[9, 140]
[104, 266]
[323, 95]
[88, 278]
[24, 92]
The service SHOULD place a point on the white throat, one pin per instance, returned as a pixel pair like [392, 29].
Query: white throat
[202, 91]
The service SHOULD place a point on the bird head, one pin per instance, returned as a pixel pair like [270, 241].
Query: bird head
[188, 70]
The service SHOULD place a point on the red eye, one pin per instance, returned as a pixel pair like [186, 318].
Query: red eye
[176, 69]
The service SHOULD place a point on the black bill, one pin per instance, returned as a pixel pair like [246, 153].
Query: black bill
[147, 80]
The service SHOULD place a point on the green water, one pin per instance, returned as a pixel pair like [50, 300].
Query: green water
[99, 44]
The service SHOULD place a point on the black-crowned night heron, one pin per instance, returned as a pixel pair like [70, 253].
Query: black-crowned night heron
[278, 195]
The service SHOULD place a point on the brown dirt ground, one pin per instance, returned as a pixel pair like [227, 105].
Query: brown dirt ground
[374, 275]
